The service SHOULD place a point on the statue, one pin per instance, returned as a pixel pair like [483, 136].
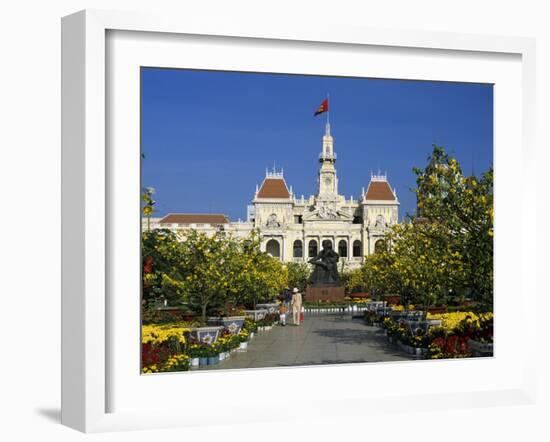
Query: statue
[272, 221]
[325, 272]
[380, 221]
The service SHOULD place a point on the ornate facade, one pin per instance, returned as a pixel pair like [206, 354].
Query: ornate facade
[293, 228]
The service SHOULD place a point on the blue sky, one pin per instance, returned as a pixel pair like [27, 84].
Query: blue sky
[208, 136]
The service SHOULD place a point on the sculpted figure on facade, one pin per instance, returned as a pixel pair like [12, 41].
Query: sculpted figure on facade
[272, 221]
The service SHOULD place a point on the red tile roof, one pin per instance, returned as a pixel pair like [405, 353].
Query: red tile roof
[273, 188]
[380, 190]
[194, 218]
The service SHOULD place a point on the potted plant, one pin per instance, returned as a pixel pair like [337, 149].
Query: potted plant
[243, 339]
[194, 352]
[202, 352]
[213, 354]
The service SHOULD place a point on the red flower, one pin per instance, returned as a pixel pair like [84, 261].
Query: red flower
[451, 345]
[148, 267]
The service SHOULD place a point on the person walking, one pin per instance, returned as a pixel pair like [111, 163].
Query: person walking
[296, 304]
[282, 314]
[288, 298]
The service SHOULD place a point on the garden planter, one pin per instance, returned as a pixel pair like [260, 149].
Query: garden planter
[233, 324]
[206, 335]
[194, 362]
[243, 345]
[203, 361]
[256, 315]
[251, 335]
[271, 307]
[213, 360]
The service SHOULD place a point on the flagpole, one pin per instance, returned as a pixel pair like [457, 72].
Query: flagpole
[328, 110]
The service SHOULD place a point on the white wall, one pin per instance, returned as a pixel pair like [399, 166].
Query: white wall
[30, 178]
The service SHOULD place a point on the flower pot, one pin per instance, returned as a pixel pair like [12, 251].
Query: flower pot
[251, 335]
[222, 356]
[243, 345]
[213, 360]
[206, 335]
[233, 324]
[270, 307]
[203, 361]
[194, 362]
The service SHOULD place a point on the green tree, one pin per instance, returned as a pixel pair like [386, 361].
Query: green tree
[208, 266]
[353, 280]
[379, 274]
[445, 251]
[298, 275]
[148, 204]
[464, 207]
[424, 264]
[162, 273]
[260, 276]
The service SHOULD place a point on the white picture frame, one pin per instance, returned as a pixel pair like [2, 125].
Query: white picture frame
[86, 315]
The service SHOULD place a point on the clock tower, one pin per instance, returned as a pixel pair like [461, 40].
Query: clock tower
[327, 181]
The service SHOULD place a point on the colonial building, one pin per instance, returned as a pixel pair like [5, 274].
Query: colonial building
[293, 228]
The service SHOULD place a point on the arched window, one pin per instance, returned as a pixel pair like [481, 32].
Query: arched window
[357, 248]
[380, 246]
[343, 248]
[312, 249]
[273, 248]
[297, 249]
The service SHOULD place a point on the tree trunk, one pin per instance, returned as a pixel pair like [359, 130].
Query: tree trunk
[203, 314]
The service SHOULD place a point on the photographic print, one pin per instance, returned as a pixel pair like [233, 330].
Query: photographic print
[298, 220]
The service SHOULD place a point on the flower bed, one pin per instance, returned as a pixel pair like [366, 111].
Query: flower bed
[172, 347]
[443, 335]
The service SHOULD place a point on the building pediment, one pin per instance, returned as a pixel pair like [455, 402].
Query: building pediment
[327, 211]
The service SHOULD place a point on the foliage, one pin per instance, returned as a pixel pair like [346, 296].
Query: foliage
[426, 266]
[209, 266]
[298, 275]
[162, 274]
[260, 277]
[464, 206]
[353, 280]
[207, 273]
[379, 273]
[450, 340]
[148, 204]
[444, 254]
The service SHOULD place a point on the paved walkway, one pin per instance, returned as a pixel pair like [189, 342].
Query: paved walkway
[322, 339]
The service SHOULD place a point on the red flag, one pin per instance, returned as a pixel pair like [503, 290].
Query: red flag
[322, 108]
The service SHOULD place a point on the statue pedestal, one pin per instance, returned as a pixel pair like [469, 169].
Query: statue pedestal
[323, 294]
